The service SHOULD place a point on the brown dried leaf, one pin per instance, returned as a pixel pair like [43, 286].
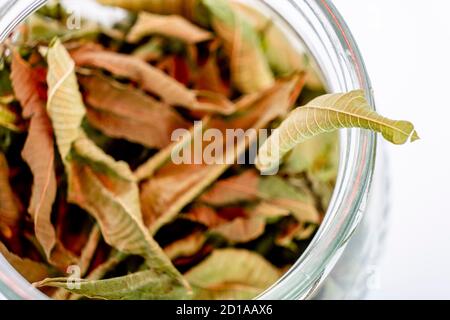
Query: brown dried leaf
[241, 230]
[170, 26]
[185, 247]
[38, 152]
[124, 112]
[204, 215]
[147, 76]
[9, 211]
[31, 270]
[233, 190]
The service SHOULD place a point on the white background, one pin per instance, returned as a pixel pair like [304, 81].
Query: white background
[406, 47]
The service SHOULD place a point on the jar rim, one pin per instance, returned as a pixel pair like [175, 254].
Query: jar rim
[339, 59]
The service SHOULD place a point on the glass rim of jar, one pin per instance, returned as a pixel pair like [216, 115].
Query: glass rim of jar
[330, 43]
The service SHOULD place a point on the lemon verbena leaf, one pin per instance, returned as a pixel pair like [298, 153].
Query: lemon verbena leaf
[170, 26]
[328, 113]
[65, 104]
[250, 70]
[231, 274]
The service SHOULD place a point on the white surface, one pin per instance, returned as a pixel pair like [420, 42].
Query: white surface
[406, 47]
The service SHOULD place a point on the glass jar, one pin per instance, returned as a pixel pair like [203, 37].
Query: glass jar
[340, 261]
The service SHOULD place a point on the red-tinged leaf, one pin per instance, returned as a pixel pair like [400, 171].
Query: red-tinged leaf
[124, 112]
[38, 152]
[9, 211]
[241, 230]
[186, 247]
[233, 190]
[148, 77]
[204, 215]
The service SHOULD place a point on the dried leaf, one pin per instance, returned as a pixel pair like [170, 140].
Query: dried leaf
[242, 188]
[147, 169]
[65, 104]
[89, 249]
[174, 186]
[170, 26]
[249, 67]
[150, 51]
[269, 211]
[326, 114]
[38, 152]
[279, 193]
[185, 247]
[204, 215]
[186, 8]
[209, 78]
[319, 156]
[231, 274]
[31, 270]
[8, 119]
[241, 230]
[143, 285]
[9, 211]
[123, 112]
[147, 76]
[284, 54]
[107, 190]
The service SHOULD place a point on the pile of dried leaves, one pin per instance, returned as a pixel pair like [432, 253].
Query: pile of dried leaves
[86, 175]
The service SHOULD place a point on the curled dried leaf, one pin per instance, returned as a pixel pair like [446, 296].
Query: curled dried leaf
[38, 152]
[143, 285]
[185, 247]
[65, 104]
[326, 114]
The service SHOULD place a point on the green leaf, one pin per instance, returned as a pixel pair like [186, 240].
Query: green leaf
[232, 274]
[8, 119]
[143, 285]
[249, 67]
[326, 114]
[169, 26]
[65, 104]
